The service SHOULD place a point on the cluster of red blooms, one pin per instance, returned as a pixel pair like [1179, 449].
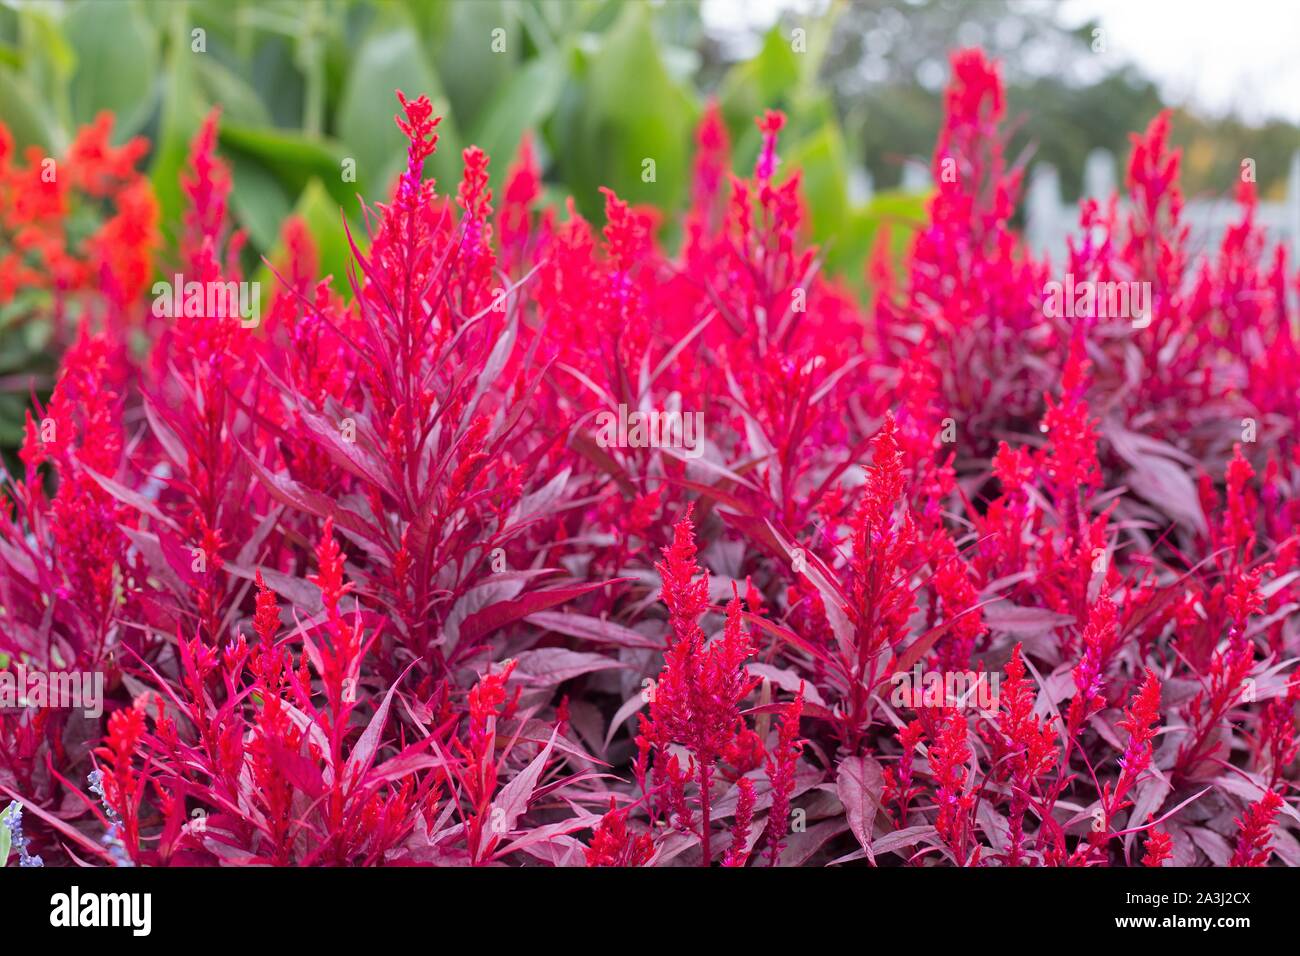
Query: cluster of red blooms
[367, 589]
[85, 222]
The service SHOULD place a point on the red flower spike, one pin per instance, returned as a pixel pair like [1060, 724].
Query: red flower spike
[1159, 848]
[612, 844]
[1255, 839]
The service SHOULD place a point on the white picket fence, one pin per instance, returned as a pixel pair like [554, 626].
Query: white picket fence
[1049, 219]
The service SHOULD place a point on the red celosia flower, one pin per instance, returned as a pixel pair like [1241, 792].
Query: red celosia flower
[1255, 840]
[329, 576]
[612, 844]
[771, 124]
[476, 258]
[523, 185]
[1159, 848]
[122, 785]
[898, 790]
[267, 619]
[697, 697]
[419, 126]
[1071, 462]
[83, 224]
[1100, 638]
[881, 600]
[712, 160]
[1024, 748]
[1140, 720]
[948, 763]
[738, 852]
[781, 766]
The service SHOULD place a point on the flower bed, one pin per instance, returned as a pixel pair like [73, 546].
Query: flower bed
[962, 578]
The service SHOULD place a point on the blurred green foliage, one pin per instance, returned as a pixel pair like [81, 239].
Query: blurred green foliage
[306, 93]
[305, 88]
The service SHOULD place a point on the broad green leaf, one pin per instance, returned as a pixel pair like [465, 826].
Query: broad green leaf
[390, 58]
[901, 213]
[563, 127]
[521, 105]
[22, 114]
[320, 212]
[820, 158]
[48, 61]
[278, 79]
[257, 198]
[117, 64]
[634, 113]
[8, 26]
[816, 42]
[759, 84]
[13, 408]
[183, 111]
[295, 156]
[296, 160]
[471, 70]
[240, 103]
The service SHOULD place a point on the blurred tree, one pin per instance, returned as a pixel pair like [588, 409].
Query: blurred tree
[887, 63]
[1214, 149]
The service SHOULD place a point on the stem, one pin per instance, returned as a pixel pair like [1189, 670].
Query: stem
[706, 825]
[310, 61]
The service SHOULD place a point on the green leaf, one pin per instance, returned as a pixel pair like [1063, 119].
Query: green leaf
[521, 105]
[4, 844]
[902, 213]
[239, 101]
[824, 179]
[21, 113]
[258, 200]
[117, 63]
[278, 78]
[633, 112]
[761, 83]
[48, 61]
[295, 156]
[183, 111]
[320, 212]
[13, 410]
[390, 58]
[472, 73]
[295, 160]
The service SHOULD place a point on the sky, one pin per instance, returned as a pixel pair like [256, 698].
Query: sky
[1215, 56]
[1220, 56]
